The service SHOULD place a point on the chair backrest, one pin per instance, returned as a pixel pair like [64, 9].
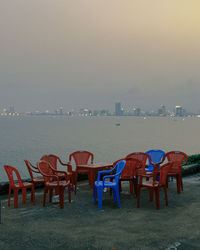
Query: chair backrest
[10, 172]
[52, 159]
[178, 158]
[163, 173]
[81, 157]
[156, 156]
[141, 156]
[131, 167]
[31, 169]
[45, 169]
[119, 168]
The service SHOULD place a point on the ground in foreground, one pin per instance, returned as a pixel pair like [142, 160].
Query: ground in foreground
[80, 225]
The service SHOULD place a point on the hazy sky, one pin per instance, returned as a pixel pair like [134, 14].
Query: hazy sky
[92, 53]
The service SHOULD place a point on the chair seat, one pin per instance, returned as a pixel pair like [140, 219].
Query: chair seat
[25, 184]
[172, 174]
[38, 180]
[106, 184]
[127, 178]
[150, 184]
[140, 171]
[55, 184]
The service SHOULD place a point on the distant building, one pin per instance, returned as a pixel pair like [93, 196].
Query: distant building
[11, 109]
[104, 112]
[85, 112]
[136, 112]
[118, 109]
[61, 111]
[162, 111]
[180, 111]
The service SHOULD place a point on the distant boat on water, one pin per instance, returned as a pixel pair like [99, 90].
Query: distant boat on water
[117, 124]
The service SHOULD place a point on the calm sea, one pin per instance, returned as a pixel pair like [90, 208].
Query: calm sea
[31, 137]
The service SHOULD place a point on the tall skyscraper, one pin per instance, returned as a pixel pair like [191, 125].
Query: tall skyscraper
[12, 109]
[180, 111]
[118, 110]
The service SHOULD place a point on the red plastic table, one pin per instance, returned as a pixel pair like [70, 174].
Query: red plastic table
[93, 170]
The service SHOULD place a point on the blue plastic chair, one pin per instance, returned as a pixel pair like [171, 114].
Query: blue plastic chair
[100, 185]
[156, 156]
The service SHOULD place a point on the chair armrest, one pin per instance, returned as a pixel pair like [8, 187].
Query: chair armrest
[52, 176]
[103, 172]
[108, 176]
[62, 172]
[68, 164]
[35, 171]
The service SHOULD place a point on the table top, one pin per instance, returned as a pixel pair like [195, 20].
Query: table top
[95, 165]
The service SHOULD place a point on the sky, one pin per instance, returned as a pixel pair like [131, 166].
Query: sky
[91, 54]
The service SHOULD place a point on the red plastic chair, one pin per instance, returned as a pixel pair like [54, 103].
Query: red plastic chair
[130, 173]
[80, 157]
[51, 181]
[179, 159]
[142, 157]
[154, 185]
[54, 160]
[16, 186]
[32, 169]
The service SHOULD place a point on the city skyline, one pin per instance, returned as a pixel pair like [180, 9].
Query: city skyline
[119, 110]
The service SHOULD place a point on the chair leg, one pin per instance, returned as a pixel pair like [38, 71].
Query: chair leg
[131, 186]
[44, 196]
[167, 181]
[33, 194]
[95, 193]
[75, 182]
[100, 197]
[15, 198]
[135, 185]
[117, 194]
[9, 196]
[69, 193]
[24, 195]
[178, 184]
[51, 193]
[72, 183]
[120, 186]
[157, 196]
[166, 198]
[138, 196]
[181, 182]
[61, 196]
[114, 195]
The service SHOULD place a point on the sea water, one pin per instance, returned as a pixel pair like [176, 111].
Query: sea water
[31, 137]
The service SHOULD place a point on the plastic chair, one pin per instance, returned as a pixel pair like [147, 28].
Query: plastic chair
[179, 159]
[100, 185]
[51, 181]
[130, 173]
[156, 156]
[154, 185]
[54, 160]
[32, 169]
[142, 157]
[16, 186]
[80, 158]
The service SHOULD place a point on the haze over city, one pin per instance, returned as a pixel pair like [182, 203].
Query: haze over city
[95, 53]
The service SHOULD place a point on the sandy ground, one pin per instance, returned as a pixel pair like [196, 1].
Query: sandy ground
[80, 225]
